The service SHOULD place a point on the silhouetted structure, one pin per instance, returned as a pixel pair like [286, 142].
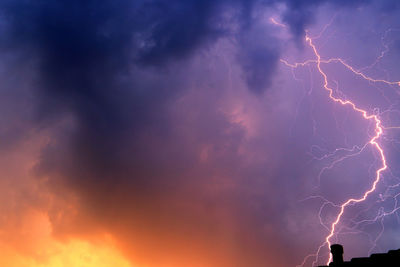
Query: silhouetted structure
[390, 259]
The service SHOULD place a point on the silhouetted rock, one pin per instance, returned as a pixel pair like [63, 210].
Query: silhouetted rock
[390, 259]
[337, 254]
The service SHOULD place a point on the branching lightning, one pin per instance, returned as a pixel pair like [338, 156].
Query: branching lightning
[373, 141]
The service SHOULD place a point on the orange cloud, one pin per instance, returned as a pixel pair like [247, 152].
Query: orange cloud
[33, 245]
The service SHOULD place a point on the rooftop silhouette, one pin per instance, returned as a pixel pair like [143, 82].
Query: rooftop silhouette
[390, 259]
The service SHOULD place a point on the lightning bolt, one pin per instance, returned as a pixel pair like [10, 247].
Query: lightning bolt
[372, 141]
[378, 130]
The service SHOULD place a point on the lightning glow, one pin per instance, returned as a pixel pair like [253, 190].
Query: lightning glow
[378, 130]
[373, 141]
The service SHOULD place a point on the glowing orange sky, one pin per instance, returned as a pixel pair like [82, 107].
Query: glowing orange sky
[37, 248]
[26, 238]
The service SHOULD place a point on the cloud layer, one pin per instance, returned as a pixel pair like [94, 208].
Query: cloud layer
[170, 125]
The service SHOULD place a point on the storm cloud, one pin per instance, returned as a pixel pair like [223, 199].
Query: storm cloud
[161, 122]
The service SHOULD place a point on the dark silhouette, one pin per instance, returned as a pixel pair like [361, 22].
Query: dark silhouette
[337, 254]
[390, 259]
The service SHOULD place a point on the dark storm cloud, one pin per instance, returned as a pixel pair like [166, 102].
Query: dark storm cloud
[89, 59]
[258, 55]
[111, 66]
[300, 13]
[85, 53]
[174, 29]
[85, 50]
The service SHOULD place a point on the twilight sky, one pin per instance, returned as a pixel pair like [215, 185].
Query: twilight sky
[166, 133]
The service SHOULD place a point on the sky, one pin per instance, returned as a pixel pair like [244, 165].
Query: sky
[200, 133]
